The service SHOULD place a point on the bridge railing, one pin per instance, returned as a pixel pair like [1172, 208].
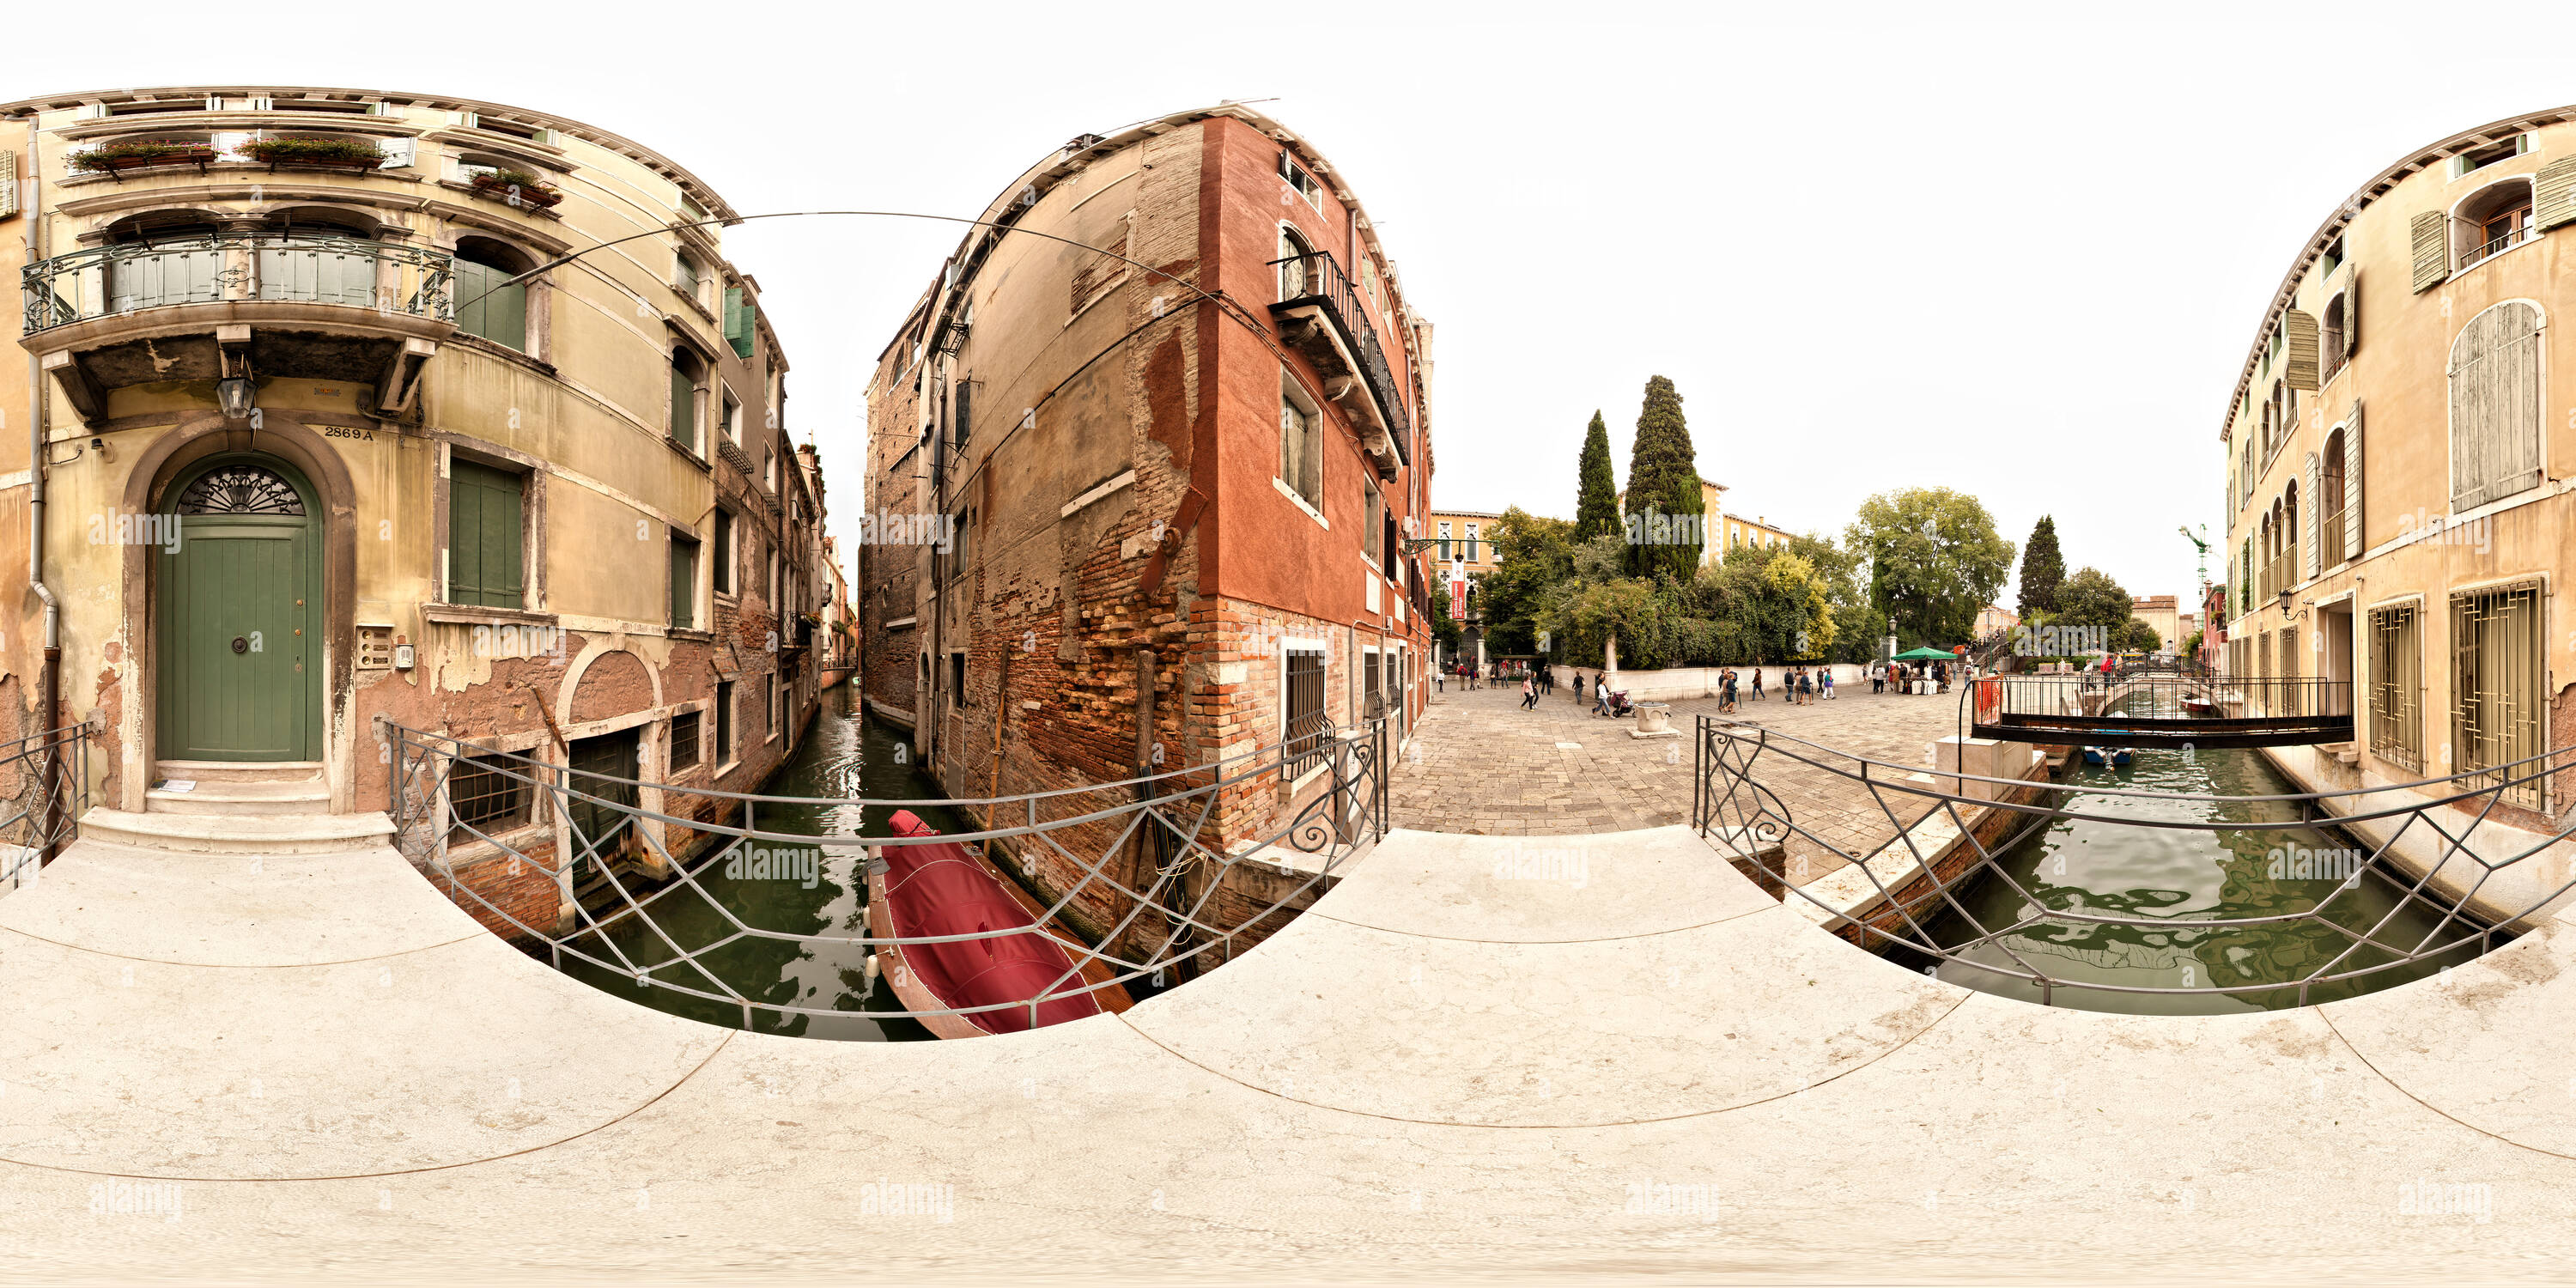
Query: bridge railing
[2477, 874]
[2159, 707]
[44, 789]
[1150, 871]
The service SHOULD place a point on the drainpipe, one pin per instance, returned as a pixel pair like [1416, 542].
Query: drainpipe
[48, 686]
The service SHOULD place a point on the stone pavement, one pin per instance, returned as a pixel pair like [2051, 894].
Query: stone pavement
[1623, 1062]
[1489, 768]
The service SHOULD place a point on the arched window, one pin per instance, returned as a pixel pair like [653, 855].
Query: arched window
[2334, 339]
[167, 257]
[318, 256]
[1297, 269]
[2332, 497]
[2492, 220]
[487, 303]
[688, 395]
[2495, 405]
[2290, 535]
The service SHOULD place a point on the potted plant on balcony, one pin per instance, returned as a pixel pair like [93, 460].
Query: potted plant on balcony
[325, 154]
[135, 156]
[517, 187]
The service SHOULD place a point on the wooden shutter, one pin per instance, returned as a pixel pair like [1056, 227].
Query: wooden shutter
[8, 184]
[489, 309]
[2432, 236]
[684, 579]
[2495, 405]
[737, 322]
[2351, 311]
[2351, 534]
[2306, 511]
[2299, 341]
[2553, 194]
[483, 526]
[684, 408]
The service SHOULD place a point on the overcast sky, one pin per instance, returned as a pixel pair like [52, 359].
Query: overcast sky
[2000, 249]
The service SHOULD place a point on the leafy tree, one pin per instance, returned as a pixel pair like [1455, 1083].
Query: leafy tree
[1596, 496]
[2191, 645]
[1664, 503]
[1532, 553]
[2090, 598]
[1934, 560]
[1858, 624]
[2043, 567]
[1444, 628]
[2135, 636]
[1583, 612]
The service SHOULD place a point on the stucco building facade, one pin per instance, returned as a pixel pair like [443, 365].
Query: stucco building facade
[2398, 446]
[310, 456]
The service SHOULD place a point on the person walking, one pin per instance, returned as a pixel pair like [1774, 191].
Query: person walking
[1726, 692]
[1440, 680]
[1877, 678]
[1529, 693]
[1757, 684]
[1546, 679]
[1600, 697]
[1825, 681]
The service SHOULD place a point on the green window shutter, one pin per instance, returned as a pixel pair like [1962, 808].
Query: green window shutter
[737, 322]
[2553, 193]
[684, 581]
[2352, 485]
[486, 308]
[2431, 232]
[484, 516]
[2300, 331]
[684, 408]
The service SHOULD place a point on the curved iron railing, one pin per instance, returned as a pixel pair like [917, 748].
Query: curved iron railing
[44, 789]
[1161, 827]
[127, 277]
[1948, 832]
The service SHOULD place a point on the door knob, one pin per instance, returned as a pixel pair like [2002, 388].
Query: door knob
[240, 645]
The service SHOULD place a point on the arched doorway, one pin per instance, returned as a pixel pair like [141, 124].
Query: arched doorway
[237, 610]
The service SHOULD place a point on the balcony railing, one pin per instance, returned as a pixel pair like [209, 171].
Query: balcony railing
[2492, 246]
[106, 281]
[1316, 278]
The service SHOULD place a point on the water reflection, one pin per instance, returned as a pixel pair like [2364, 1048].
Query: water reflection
[820, 889]
[2165, 874]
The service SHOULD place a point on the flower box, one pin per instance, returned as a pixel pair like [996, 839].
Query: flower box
[322, 154]
[136, 156]
[517, 188]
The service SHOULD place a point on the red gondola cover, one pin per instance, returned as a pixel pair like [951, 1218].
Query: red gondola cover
[943, 890]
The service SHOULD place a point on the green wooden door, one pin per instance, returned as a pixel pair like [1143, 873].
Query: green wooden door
[239, 649]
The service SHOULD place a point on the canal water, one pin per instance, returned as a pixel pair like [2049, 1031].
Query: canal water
[844, 756]
[2151, 873]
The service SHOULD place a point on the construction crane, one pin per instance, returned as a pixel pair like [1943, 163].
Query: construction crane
[2185, 530]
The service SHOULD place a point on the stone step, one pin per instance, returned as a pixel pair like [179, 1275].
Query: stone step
[225, 796]
[304, 833]
[239, 771]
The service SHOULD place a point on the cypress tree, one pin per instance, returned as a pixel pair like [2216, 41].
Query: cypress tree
[1664, 505]
[1596, 495]
[2043, 569]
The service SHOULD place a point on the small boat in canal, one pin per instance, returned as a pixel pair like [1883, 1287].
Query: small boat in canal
[921, 891]
[2106, 755]
[2199, 708]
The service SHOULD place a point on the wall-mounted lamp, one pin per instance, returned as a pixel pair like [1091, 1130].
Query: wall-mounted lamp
[2285, 605]
[233, 397]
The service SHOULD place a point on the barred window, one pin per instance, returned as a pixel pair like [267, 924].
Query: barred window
[2497, 694]
[684, 740]
[2396, 687]
[1306, 728]
[486, 796]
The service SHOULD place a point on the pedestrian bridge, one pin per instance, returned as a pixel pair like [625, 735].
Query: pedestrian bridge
[243, 1064]
[2172, 707]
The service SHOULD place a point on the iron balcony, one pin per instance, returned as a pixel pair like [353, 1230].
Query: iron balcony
[1319, 312]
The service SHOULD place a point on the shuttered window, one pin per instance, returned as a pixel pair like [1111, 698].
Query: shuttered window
[2495, 405]
[724, 552]
[484, 516]
[486, 307]
[684, 581]
[684, 406]
[2430, 233]
[2553, 194]
[2299, 331]
[724, 722]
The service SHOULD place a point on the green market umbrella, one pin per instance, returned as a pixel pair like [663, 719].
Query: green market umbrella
[1926, 655]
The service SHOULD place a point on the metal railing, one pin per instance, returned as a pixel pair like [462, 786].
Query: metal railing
[1950, 834]
[2485, 247]
[44, 789]
[104, 281]
[1143, 852]
[1316, 276]
[2158, 705]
